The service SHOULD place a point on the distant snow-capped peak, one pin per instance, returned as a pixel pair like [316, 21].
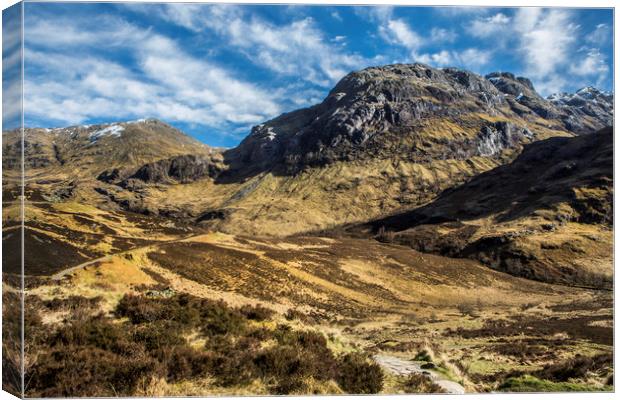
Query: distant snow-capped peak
[586, 93]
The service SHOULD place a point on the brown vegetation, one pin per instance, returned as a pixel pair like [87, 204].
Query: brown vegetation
[98, 355]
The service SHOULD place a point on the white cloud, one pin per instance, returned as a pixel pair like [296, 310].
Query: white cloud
[600, 36]
[526, 18]
[374, 13]
[471, 58]
[546, 39]
[72, 32]
[592, 65]
[336, 15]
[397, 31]
[474, 58]
[11, 103]
[297, 48]
[195, 17]
[439, 35]
[440, 59]
[497, 24]
[551, 84]
[11, 69]
[164, 82]
[456, 11]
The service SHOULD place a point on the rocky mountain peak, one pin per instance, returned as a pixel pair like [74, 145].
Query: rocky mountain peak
[365, 114]
[581, 96]
[381, 111]
[586, 104]
[401, 82]
[508, 83]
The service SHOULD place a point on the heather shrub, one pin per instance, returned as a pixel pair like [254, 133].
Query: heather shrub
[423, 356]
[140, 309]
[72, 303]
[11, 343]
[158, 335]
[87, 371]
[232, 362]
[102, 356]
[256, 313]
[184, 363]
[219, 319]
[97, 332]
[577, 367]
[357, 375]
[419, 383]
[292, 314]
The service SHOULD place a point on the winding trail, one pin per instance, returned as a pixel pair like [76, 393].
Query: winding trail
[402, 367]
[61, 274]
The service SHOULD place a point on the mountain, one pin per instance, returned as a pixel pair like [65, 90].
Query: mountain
[70, 162]
[454, 222]
[547, 215]
[587, 105]
[88, 150]
[586, 111]
[384, 139]
[406, 111]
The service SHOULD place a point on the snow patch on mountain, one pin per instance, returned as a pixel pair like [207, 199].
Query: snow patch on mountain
[112, 130]
[587, 93]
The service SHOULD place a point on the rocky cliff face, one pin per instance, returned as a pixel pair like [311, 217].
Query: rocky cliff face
[180, 169]
[586, 106]
[351, 122]
[586, 111]
[386, 111]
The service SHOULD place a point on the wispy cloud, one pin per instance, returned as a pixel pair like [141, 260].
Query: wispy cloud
[600, 36]
[484, 27]
[457, 11]
[398, 31]
[472, 58]
[546, 42]
[298, 48]
[11, 68]
[440, 35]
[592, 65]
[546, 37]
[167, 82]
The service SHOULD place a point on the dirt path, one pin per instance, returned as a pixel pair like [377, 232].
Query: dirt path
[399, 366]
[61, 274]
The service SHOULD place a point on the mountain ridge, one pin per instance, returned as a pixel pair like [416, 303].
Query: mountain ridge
[384, 138]
[548, 215]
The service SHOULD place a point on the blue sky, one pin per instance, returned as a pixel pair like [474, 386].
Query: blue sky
[216, 70]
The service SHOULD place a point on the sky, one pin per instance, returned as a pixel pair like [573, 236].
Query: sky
[214, 71]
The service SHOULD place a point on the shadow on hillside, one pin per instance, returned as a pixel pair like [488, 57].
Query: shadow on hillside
[542, 176]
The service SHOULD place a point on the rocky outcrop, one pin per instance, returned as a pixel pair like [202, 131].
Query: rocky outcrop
[586, 111]
[495, 138]
[364, 114]
[585, 105]
[109, 176]
[181, 169]
[379, 112]
[521, 95]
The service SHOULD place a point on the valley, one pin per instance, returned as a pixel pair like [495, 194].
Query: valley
[432, 219]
